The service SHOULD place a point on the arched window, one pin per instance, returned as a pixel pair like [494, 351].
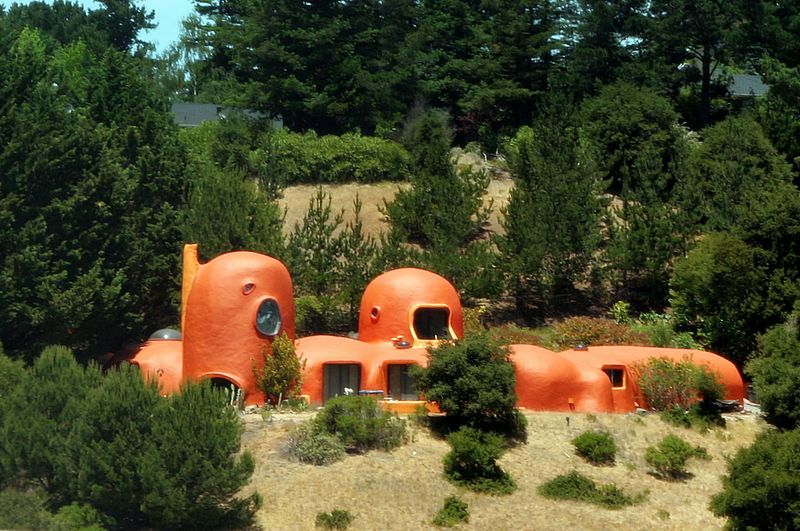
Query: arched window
[268, 317]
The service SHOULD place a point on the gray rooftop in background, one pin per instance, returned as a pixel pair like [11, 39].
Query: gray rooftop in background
[193, 114]
[744, 85]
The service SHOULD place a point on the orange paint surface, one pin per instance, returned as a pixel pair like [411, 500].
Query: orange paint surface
[391, 300]
[402, 313]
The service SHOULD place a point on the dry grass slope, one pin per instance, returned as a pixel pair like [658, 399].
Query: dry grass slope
[295, 198]
[404, 489]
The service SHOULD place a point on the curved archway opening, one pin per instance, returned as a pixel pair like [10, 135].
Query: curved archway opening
[234, 395]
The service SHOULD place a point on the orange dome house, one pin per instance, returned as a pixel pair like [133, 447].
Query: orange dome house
[236, 304]
[402, 313]
[414, 305]
[618, 363]
[233, 307]
[548, 381]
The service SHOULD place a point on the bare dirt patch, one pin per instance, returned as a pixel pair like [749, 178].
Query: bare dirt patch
[404, 489]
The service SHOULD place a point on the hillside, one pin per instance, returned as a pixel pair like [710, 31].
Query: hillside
[296, 198]
[403, 490]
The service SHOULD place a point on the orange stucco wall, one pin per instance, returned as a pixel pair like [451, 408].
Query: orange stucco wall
[374, 359]
[547, 381]
[389, 301]
[220, 340]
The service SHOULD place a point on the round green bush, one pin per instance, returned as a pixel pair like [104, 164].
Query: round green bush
[454, 511]
[762, 488]
[309, 445]
[669, 457]
[336, 519]
[472, 461]
[597, 447]
[576, 486]
[360, 423]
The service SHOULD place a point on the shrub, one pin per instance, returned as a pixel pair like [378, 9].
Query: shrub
[473, 382]
[762, 487]
[775, 369]
[360, 423]
[597, 447]
[576, 486]
[593, 331]
[308, 158]
[110, 441]
[308, 444]
[472, 462]
[24, 510]
[666, 383]
[336, 519]
[319, 314]
[669, 457]
[472, 319]
[660, 328]
[282, 374]
[454, 512]
[80, 516]
[512, 334]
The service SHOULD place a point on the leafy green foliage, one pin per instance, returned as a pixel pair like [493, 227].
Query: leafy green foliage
[319, 315]
[576, 486]
[308, 158]
[309, 444]
[771, 226]
[775, 369]
[551, 220]
[472, 462]
[282, 375]
[360, 423]
[597, 447]
[472, 380]
[453, 512]
[777, 112]
[574, 331]
[761, 488]
[111, 442]
[716, 293]
[669, 457]
[23, 510]
[80, 265]
[666, 383]
[331, 263]
[228, 213]
[336, 519]
[731, 170]
[443, 211]
[660, 328]
[625, 122]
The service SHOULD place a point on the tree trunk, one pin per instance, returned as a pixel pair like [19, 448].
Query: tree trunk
[705, 89]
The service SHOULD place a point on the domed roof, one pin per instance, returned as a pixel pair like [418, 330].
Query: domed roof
[392, 301]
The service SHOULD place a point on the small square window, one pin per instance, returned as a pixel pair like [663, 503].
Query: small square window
[617, 377]
[432, 323]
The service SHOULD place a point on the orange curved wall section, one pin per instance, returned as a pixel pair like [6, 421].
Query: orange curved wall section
[221, 299]
[389, 301]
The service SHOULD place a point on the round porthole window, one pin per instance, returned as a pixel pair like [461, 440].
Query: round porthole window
[268, 318]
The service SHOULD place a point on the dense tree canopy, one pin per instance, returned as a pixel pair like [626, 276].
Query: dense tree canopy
[92, 183]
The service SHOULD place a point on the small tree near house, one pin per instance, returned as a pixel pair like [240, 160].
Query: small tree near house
[282, 374]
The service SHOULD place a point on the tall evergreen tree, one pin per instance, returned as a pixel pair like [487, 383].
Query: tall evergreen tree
[551, 221]
[443, 211]
[92, 186]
